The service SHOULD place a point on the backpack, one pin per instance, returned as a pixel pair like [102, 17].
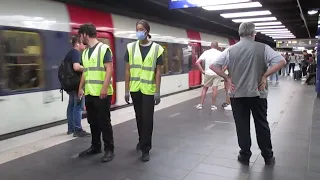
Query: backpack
[68, 78]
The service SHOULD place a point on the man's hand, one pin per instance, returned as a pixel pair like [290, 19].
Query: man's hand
[157, 98]
[263, 83]
[103, 92]
[80, 93]
[127, 97]
[228, 85]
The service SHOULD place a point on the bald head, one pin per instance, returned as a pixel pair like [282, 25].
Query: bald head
[215, 45]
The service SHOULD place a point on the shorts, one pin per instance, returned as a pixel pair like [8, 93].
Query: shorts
[211, 80]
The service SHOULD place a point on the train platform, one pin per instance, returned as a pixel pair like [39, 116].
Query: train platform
[188, 144]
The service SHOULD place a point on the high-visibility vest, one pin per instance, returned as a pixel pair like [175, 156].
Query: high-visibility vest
[94, 70]
[142, 73]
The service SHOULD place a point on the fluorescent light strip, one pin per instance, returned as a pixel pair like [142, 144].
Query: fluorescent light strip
[269, 27]
[233, 6]
[203, 3]
[254, 19]
[271, 30]
[268, 23]
[245, 14]
[283, 37]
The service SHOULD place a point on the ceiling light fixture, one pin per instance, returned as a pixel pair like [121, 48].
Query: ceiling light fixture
[232, 6]
[254, 19]
[283, 37]
[271, 30]
[245, 14]
[269, 27]
[312, 12]
[268, 23]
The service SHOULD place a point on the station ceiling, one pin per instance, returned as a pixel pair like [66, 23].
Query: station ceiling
[286, 11]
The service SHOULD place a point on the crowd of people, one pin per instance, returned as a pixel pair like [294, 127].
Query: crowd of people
[299, 66]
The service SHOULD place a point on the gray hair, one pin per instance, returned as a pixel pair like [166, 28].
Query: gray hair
[246, 29]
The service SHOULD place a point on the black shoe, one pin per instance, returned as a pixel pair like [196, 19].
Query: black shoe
[270, 161]
[81, 133]
[138, 148]
[108, 156]
[90, 151]
[243, 160]
[70, 132]
[145, 157]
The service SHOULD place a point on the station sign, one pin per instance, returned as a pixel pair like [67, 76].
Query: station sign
[181, 4]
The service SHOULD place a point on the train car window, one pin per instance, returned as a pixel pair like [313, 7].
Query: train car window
[23, 60]
[177, 57]
[165, 67]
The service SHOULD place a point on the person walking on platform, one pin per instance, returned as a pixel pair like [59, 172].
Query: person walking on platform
[74, 110]
[142, 81]
[211, 79]
[226, 105]
[247, 63]
[96, 80]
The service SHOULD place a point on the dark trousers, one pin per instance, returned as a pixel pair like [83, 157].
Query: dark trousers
[98, 115]
[291, 66]
[241, 108]
[144, 109]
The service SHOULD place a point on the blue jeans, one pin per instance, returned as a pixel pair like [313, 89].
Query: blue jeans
[274, 75]
[74, 112]
[285, 70]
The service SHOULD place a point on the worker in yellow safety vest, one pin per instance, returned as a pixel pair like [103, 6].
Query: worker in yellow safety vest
[142, 81]
[96, 81]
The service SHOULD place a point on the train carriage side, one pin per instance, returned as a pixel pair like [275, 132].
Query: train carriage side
[33, 44]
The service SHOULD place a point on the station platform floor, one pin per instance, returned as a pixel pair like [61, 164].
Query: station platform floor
[188, 144]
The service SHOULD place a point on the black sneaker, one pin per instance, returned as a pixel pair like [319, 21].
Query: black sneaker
[81, 133]
[108, 156]
[270, 161]
[145, 157]
[70, 132]
[243, 160]
[89, 152]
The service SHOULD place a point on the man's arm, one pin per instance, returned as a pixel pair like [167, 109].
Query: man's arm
[127, 73]
[76, 59]
[158, 73]
[222, 61]
[107, 61]
[198, 62]
[81, 85]
[274, 59]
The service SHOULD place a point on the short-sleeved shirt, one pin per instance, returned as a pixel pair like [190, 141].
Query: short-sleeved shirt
[247, 61]
[209, 56]
[107, 56]
[144, 49]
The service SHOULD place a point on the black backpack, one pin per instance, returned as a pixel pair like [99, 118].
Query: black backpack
[68, 78]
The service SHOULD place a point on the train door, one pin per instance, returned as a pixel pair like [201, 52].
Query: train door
[107, 38]
[194, 72]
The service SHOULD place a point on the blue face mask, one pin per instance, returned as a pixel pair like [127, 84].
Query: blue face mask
[141, 35]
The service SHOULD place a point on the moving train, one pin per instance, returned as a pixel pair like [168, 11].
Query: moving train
[35, 36]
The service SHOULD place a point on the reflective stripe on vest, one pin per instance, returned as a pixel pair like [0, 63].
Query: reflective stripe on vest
[142, 73]
[94, 71]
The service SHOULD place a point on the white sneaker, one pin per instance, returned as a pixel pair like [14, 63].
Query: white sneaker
[199, 106]
[229, 108]
[213, 107]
